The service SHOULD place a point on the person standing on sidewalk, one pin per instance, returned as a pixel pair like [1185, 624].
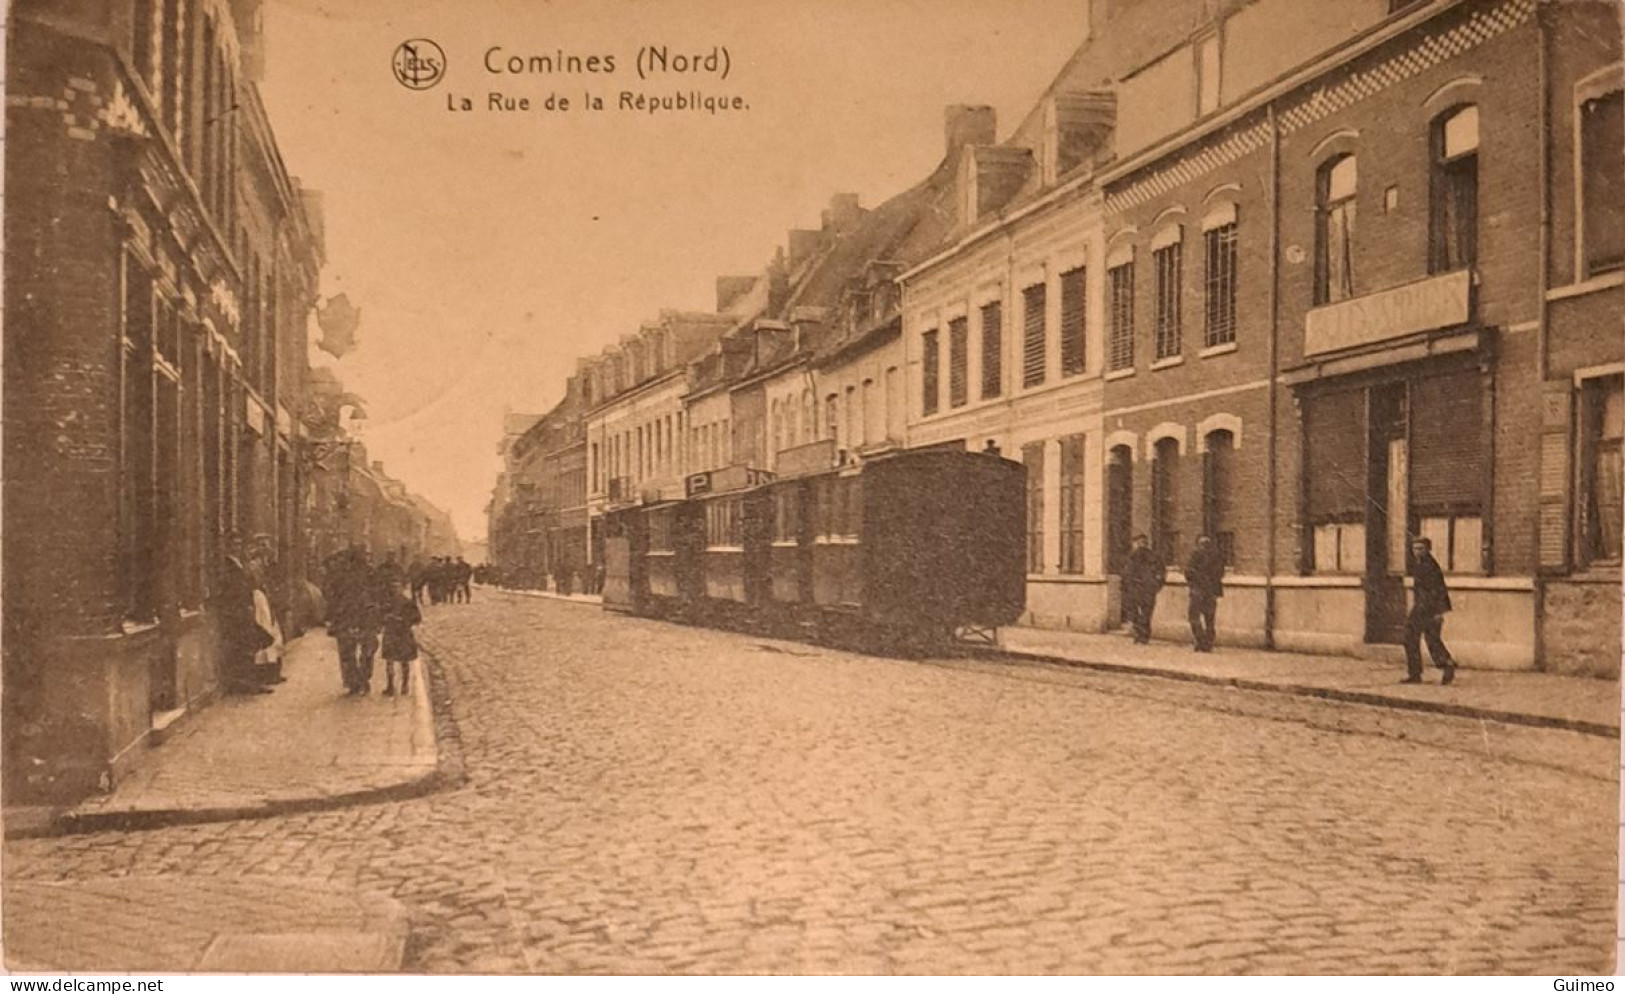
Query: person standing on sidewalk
[400, 646]
[1204, 579]
[354, 616]
[1430, 602]
[1143, 577]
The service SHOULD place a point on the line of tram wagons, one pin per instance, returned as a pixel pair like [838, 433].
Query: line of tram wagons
[902, 551]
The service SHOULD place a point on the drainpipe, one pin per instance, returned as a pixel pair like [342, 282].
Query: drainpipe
[1274, 387]
[1543, 345]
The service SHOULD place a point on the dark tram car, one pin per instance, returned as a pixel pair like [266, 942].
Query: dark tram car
[903, 549]
[940, 542]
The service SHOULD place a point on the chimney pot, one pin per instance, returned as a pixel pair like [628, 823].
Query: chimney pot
[969, 124]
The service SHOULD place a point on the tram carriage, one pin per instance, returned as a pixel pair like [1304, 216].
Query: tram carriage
[906, 548]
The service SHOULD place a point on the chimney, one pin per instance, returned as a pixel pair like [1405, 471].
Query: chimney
[803, 245]
[969, 124]
[843, 212]
[778, 284]
[1077, 130]
[731, 288]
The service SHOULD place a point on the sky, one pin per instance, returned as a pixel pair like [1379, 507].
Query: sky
[488, 250]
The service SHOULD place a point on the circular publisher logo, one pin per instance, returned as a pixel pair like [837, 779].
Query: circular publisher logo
[419, 64]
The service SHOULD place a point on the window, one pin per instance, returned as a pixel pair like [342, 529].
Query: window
[1445, 475]
[1207, 75]
[840, 506]
[929, 374]
[1220, 279]
[1120, 281]
[894, 404]
[1119, 506]
[1218, 481]
[849, 421]
[1168, 263]
[1602, 183]
[787, 515]
[958, 359]
[660, 530]
[1072, 504]
[723, 524]
[1453, 235]
[992, 349]
[137, 524]
[1335, 443]
[809, 420]
[1165, 500]
[1032, 336]
[1074, 321]
[870, 426]
[1337, 183]
[1032, 458]
[1602, 468]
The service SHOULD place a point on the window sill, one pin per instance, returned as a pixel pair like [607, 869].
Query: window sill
[1213, 350]
[1595, 284]
[1119, 374]
[1169, 363]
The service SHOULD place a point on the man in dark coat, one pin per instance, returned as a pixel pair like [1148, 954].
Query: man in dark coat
[354, 616]
[1204, 580]
[1143, 576]
[1429, 604]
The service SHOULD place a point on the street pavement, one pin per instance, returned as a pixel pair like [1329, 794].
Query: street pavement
[644, 797]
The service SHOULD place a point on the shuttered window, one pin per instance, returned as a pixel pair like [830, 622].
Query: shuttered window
[958, 362]
[1072, 504]
[1074, 322]
[1165, 537]
[992, 349]
[1120, 350]
[1334, 434]
[1032, 458]
[1447, 453]
[929, 373]
[1033, 333]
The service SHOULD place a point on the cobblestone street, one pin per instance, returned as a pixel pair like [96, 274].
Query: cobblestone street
[644, 797]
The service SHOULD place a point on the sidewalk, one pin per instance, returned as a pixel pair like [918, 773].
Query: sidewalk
[1579, 704]
[304, 747]
[204, 925]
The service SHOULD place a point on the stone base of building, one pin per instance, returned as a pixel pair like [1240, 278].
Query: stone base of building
[86, 707]
[1493, 624]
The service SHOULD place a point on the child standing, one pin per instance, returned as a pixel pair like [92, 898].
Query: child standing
[400, 645]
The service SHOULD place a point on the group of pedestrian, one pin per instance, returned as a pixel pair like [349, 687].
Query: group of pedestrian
[250, 632]
[368, 610]
[443, 580]
[1145, 574]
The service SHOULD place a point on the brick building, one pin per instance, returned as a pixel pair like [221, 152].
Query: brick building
[160, 267]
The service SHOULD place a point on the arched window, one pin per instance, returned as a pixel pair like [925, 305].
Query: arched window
[1119, 506]
[1165, 500]
[1453, 231]
[1218, 475]
[1336, 185]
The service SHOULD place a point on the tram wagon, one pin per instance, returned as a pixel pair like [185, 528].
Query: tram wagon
[905, 549]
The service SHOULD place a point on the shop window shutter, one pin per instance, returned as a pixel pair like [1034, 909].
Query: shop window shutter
[1447, 450]
[1334, 430]
[1557, 412]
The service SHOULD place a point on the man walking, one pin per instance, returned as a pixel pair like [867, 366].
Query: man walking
[1143, 577]
[1429, 604]
[1204, 579]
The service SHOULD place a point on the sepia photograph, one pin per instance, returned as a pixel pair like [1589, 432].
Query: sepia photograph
[835, 487]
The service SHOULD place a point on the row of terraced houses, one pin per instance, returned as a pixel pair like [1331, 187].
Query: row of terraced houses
[161, 267]
[1309, 278]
